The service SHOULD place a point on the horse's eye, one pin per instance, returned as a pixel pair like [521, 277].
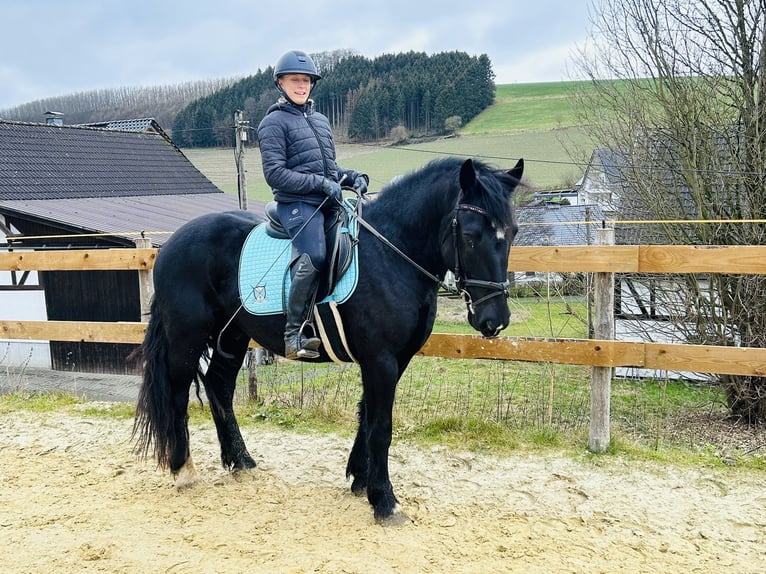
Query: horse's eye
[469, 241]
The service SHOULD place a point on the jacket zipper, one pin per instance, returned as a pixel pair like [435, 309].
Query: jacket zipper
[319, 143]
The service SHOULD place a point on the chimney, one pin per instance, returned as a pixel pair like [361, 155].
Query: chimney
[54, 118]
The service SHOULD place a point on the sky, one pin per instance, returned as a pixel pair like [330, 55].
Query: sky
[59, 47]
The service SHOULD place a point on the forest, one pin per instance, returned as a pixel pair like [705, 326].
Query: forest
[365, 99]
[392, 95]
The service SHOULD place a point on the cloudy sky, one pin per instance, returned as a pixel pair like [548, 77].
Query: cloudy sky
[58, 47]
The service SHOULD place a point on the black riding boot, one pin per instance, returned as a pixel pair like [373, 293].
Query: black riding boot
[299, 304]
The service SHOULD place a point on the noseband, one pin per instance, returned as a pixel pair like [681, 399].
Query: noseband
[496, 289]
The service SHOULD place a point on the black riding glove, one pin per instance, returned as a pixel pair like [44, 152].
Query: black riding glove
[360, 184]
[332, 189]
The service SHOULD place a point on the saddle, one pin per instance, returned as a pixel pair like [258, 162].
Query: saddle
[340, 245]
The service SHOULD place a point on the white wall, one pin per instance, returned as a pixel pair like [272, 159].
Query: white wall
[27, 305]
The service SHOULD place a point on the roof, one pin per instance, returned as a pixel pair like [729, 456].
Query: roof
[609, 162]
[127, 218]
[98, 180]
[40, 161]
[552, 225]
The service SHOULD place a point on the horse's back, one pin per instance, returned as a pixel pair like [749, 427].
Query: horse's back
[209, 232]
[207, 245]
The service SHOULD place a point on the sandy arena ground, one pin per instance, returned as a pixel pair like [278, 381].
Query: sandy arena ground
[74, 499]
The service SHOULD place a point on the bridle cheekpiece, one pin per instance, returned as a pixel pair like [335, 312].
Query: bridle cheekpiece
[497, 289]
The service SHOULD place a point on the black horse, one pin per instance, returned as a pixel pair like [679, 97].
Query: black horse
[452, 214]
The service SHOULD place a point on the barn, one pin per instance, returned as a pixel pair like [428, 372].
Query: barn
[98, 186]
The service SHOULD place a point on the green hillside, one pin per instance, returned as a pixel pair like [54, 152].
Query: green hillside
[533, 121]
[538, 106]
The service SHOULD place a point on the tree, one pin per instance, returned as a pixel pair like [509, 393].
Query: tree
[677, 88]
[452, 124]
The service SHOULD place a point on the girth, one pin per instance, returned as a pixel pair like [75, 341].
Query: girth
[340, 244]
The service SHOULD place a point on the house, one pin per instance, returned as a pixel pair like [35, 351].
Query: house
[647, 307]
[603, 182]
[98, 186]
[550, 223]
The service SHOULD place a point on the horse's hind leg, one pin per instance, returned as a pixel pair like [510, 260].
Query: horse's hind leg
[171, 354]
[181, 373]
[220, 382]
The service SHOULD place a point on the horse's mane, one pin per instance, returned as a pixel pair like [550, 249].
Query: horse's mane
[437, 187]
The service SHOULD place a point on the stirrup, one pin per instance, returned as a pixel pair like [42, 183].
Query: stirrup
[304, 348]
[309, 347]
[306, 353]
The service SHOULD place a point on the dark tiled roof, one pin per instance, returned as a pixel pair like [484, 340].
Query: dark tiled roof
[552, 225]
[612, 163]
[84, 180]
[39, 161]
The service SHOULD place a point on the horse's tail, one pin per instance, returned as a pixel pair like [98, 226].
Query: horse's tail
[153, 428]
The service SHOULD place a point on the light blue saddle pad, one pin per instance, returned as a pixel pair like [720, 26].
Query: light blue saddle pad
[264, 279]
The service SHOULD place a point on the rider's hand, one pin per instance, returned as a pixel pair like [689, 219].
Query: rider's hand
[332, 189]
[360, 185]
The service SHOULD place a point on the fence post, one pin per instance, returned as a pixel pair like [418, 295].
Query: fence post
[603, 328]
[145, 282]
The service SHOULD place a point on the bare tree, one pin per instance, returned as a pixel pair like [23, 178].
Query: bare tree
[677, 89]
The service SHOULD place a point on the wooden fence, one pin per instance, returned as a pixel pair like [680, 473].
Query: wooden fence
[598, 353]
[595, 352]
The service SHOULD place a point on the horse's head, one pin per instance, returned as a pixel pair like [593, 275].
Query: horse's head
[482, 229]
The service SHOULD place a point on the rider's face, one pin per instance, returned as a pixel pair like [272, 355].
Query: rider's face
[296, 86]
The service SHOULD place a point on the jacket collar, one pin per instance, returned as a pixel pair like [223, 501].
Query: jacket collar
[286, 105]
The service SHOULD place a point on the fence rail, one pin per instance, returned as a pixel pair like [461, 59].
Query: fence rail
[747, 259]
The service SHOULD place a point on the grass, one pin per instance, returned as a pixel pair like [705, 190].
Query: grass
[533, 121]
[529, 318]
[491, 407]
[528, 107]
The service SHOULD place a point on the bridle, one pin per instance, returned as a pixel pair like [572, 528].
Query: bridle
[496, 288]
[461, 283]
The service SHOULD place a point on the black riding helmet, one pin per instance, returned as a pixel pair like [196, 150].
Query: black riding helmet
[296, 62]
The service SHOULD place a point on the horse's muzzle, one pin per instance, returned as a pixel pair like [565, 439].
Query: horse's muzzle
[490, 326]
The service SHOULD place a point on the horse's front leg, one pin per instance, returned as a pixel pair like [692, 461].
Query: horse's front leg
[358, 459]
[220, 382]
[379, 382]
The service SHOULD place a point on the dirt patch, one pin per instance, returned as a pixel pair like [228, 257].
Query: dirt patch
[74, 498]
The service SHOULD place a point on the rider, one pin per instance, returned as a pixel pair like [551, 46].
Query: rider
[298, 157]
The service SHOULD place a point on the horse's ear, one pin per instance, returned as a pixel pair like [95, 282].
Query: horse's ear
[467, 175]
[518, 170]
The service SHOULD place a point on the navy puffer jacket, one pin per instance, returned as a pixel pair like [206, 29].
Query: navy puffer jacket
[298, 152]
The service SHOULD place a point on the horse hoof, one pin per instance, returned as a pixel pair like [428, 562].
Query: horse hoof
[359, 487]
[396, 518]
[243, 474]
[187, 476]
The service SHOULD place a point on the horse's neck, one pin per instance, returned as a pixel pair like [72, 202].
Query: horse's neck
[416, 229]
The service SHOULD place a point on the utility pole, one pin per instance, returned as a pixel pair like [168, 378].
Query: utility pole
[258, 356]
[241, 126]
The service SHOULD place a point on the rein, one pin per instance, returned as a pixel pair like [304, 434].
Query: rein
[461, 282]
[406, 257]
